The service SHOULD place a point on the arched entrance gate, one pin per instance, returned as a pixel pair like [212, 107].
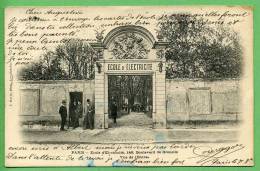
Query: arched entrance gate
[130, 50]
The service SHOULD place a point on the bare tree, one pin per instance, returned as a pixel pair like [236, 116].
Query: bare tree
[79, 58]
[74, 59]
[131, 86]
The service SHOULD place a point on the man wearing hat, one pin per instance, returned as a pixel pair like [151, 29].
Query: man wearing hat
[114, 111]
[63, 114]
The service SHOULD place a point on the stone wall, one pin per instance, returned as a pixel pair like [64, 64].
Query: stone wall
[202, 100]
[185, 99]
[40, 100]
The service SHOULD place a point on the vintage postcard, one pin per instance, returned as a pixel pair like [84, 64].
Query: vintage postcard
[129, 86]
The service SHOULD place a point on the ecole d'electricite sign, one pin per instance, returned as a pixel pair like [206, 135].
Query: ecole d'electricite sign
[129, 67]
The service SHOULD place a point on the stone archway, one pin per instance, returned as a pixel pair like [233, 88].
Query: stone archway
[130, 50]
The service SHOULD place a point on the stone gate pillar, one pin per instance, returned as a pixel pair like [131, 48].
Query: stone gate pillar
[99, 117]
[99, 121]
[160, 117]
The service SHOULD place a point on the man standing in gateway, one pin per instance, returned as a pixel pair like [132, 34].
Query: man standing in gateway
[63, 114]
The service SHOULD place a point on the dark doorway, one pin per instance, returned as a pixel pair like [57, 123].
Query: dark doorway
[133, 96]
[75, 98]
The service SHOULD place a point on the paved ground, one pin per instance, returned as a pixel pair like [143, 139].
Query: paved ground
[132, 128]
[133, 120]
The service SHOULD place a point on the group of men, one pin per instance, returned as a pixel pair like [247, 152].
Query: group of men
[76, 112]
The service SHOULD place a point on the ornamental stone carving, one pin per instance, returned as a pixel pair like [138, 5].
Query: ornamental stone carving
[129, 46]
[160, 53]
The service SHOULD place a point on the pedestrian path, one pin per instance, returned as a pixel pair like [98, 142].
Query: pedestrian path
[130, 135]
[133, 120]
[131, 128]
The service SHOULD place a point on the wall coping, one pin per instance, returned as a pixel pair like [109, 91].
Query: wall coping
[87, 81]
[202, 80]
[54, 81]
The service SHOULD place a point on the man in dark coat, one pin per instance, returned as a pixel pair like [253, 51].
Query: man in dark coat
[63, 114]
[88, 121]
[72, 114]
[114, 111]
[78, 114]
